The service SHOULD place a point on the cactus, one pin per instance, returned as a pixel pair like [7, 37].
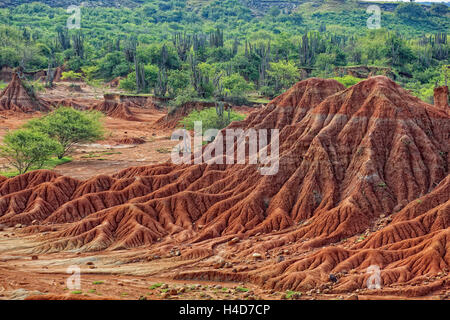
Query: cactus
[140, 77]
[63, 38]
[183, 43]
[78, 44]
[216, 38]
[130, 49]
[161, 85]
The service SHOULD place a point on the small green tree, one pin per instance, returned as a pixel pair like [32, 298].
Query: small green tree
[236, 86]
[283, 74]
[210, 119]
[25, 149]
[69, 127]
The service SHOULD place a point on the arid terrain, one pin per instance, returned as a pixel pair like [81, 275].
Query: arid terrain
[363, 185]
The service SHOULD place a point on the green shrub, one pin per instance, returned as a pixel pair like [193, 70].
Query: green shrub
[210, 119]
[26, 149]
[71, 75]
[348, 80]
[69, 127]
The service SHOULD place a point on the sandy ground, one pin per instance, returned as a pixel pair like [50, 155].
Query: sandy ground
[131, 275]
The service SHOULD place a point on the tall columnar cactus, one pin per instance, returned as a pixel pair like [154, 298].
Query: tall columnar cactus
[161, 84]
[130, 48]
[183, 43]
[140, 77]
[63, 38]
[220, 111]
[50, 73]
[216, 38]
[78, 44]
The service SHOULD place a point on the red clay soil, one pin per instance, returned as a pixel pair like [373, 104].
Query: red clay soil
[130, 140]
[115, 109]
[363, 180]
[16, 98]
[441, 98]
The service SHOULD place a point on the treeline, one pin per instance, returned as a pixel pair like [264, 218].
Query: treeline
[172, 49]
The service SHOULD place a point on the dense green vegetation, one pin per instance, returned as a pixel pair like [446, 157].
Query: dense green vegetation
[222, 50]
[68, 127]
[35, 145]
[26, 149]
[211, 118]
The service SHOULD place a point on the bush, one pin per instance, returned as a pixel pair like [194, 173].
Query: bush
[347, 80]
[210, 119]
[69, 127]
[25, 149]
[71, 75]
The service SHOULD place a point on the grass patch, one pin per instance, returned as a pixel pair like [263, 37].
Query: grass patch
[156, 285]
[50, 164]
[259, 100]
[3, 85]
[347, 80]
[290, 293]
[97, 282]
[77, 292]
[242, 289]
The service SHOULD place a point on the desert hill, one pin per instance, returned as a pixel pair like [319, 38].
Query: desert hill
[17, 99]
[362, 180]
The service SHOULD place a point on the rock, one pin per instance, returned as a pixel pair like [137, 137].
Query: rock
[352, 297]
[142, 298]
[34, 257]
[280, 258]
[165, 295]
[90, 263]
[173, 292]
[333, 278]
[257, 256]
[296, 296]
[234, 241]
[18, 226]
[164, 286]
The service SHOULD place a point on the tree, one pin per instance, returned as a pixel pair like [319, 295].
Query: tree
[439, 9]
[283, 74]
[211, 118]
[411, 11]
[235, 85]
[178, 81]
[69, 127]
[26, 149]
